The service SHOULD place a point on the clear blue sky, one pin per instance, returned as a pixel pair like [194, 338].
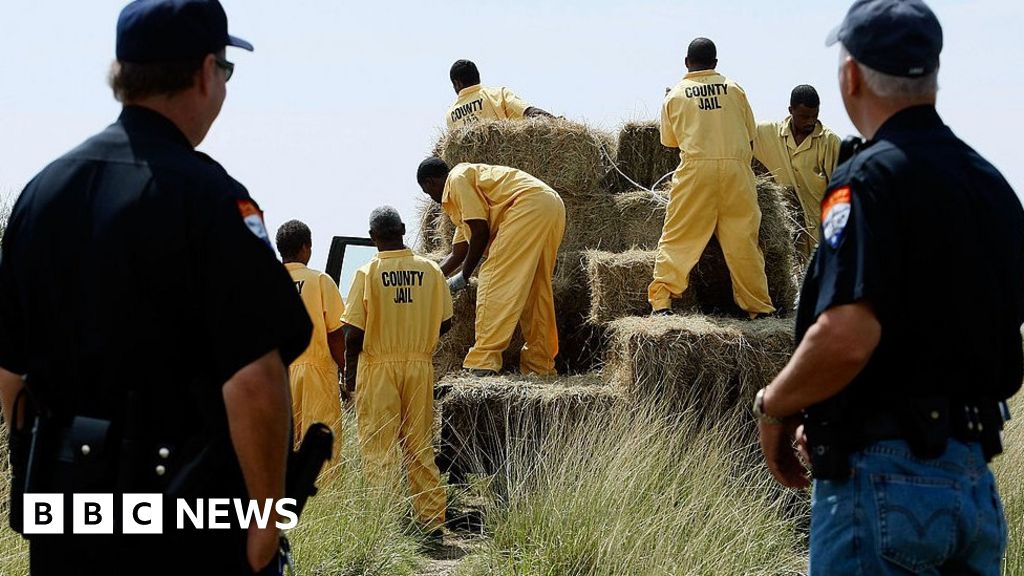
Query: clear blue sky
[330, 116]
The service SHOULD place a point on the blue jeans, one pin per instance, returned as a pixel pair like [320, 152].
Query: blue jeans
[898, 514]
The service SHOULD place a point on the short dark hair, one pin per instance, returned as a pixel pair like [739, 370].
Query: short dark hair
[805, 94]
[702, 52]
[132, 81]
[465, 71]
[432, 167]
[291, 237]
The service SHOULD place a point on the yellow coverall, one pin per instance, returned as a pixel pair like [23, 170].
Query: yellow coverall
[478, 104]
[316, 392]
[805, 168]
[527, 220]
[709, 119]
[399, 300]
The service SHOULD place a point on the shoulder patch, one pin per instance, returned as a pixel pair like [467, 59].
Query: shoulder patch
[253, 218]
[835, 213]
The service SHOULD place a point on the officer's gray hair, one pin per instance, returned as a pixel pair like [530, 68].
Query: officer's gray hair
[386, 222]
[895, 87]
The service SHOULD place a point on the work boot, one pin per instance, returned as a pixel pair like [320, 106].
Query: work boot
[663, 312]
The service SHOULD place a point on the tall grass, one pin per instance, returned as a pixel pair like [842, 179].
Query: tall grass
[640, 494]
[1009, 470]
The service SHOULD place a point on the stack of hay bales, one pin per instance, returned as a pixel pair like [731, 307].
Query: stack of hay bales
[696, 360]
[486, 418]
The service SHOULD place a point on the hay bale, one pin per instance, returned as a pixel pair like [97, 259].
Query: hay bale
[707, 364]
[641, 156]
[433, 224]
[484, 419]
[570, 157]
[454, 345]
[618, 285]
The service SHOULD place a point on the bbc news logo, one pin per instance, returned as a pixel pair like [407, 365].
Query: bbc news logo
[144, 513]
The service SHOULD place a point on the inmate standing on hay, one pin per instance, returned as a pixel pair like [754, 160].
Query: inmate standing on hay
[476, 103]
[398, 307]
[517, 221]
[708, 118]
[801, 153]
[903, 393]
[315, 384]
[142, 304]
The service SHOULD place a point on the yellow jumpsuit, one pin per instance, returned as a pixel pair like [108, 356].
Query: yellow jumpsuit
[314, 375]
[399, 300]
[709, 119]
[478, 104]
[527, 220]
[805, 168]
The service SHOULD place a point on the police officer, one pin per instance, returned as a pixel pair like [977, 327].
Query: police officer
[145, 324]
[903, 393]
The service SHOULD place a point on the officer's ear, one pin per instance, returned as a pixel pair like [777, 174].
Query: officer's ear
[207, 75]
[851, 79]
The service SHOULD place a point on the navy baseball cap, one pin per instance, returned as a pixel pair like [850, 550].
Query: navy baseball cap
[166, 30]
[895, 37]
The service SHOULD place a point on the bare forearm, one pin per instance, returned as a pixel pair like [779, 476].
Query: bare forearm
[832, 353]
[336, 343]
[454, 260]
[477, 247]
[10, 385]
[259, 417]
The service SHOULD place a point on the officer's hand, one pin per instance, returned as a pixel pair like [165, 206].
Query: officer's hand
[457, 283]
[780, 453]
[262, 546]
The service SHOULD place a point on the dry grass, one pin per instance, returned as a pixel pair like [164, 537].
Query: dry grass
[637, 493]
[1009, 471]
[707, 364]
[572, 158]
[642, 158]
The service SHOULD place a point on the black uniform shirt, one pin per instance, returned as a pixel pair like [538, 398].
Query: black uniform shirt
[128, 265]
[928, 233]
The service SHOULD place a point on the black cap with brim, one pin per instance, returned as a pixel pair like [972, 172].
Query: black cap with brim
[167, 30]
[895, 37]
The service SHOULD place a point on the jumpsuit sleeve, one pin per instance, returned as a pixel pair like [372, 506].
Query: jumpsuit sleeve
[355, 311]
[748, 113]
[832, 144]
[332, 304]
[465, 194]
[515, 107]
[762, 137]
[250, 303]
[668, 135]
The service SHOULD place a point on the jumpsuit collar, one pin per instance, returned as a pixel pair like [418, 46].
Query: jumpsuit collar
[153, 124]
[701, 73]
[384, 254]
[787, 134]
[289, 266]
[470, 90]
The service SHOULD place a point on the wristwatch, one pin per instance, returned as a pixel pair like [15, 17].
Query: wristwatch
[758, 410]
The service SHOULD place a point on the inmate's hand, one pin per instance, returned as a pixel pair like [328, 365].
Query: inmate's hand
[781, 455]
[457, 283]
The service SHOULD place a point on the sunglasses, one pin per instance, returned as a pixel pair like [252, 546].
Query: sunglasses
[228, 67]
